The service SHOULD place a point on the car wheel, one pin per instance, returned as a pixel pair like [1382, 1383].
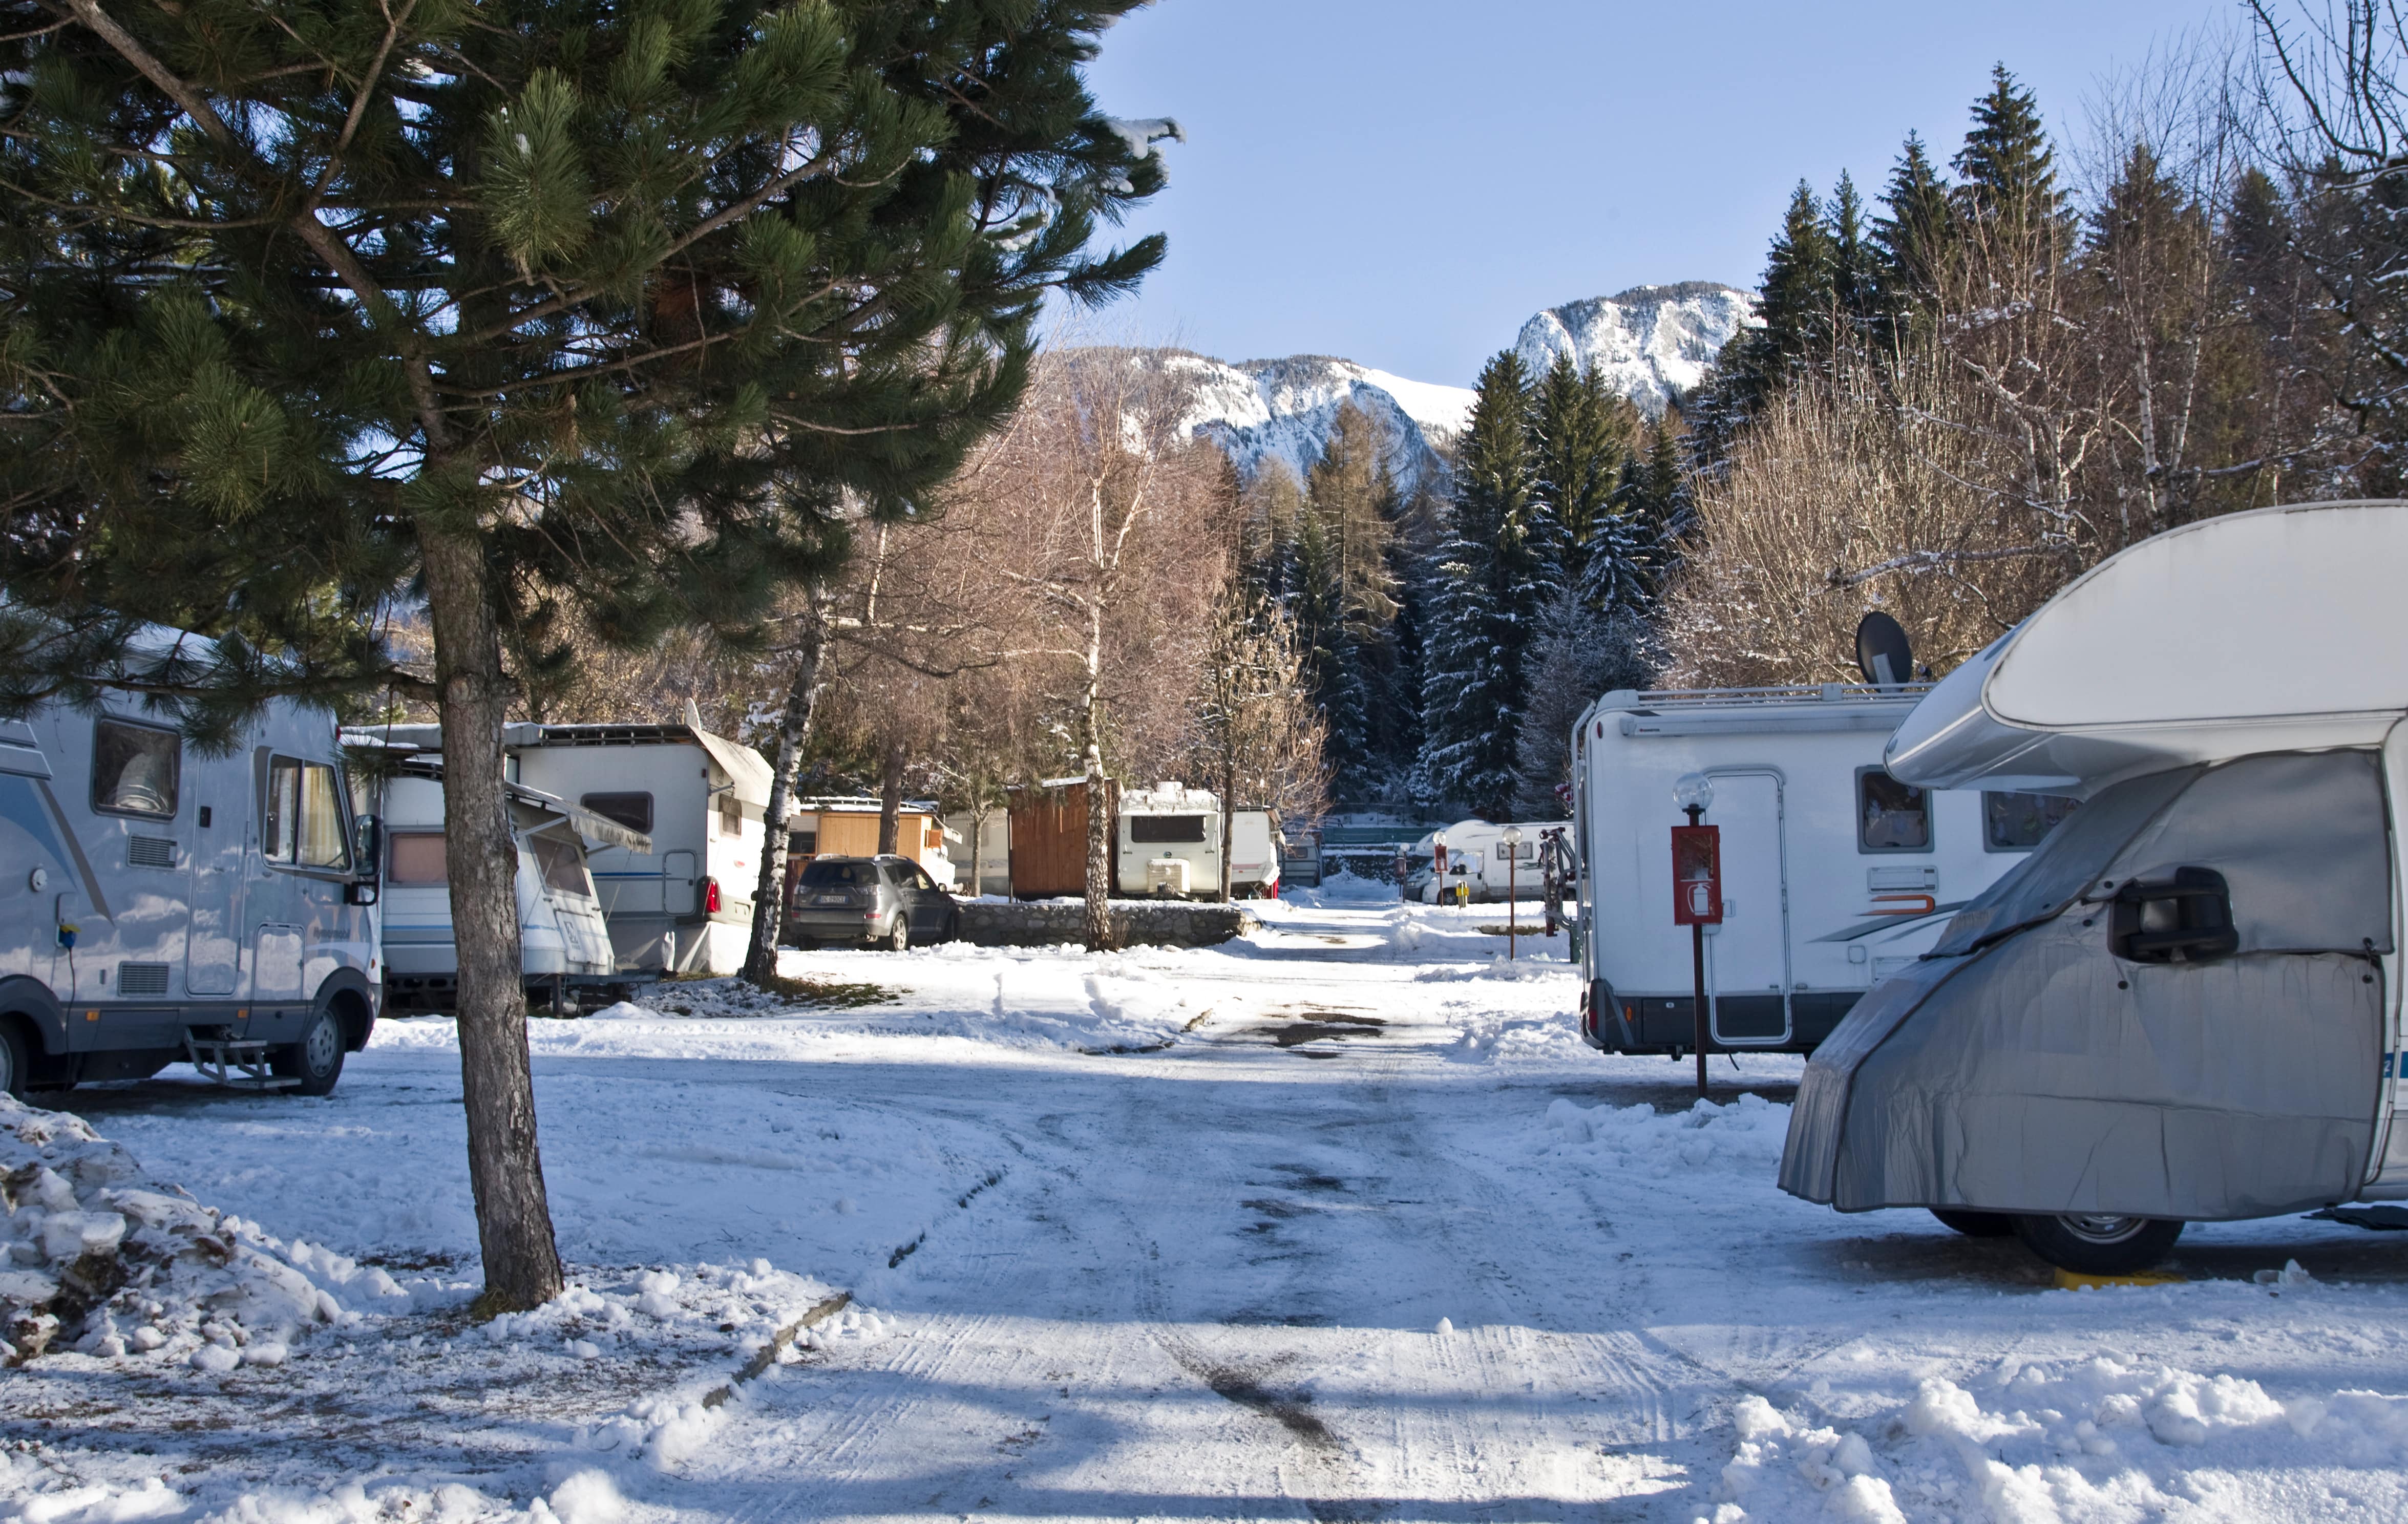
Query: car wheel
[899, 939]
[14, 1061]
[317, 1059]
[1976, 1224]
[2096, 1243]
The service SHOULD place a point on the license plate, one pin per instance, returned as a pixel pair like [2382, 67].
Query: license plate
[829, 899]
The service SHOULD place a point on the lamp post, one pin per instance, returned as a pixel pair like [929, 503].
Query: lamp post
[1512, 839]
[1438, 867]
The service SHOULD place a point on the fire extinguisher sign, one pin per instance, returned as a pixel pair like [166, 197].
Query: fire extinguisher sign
[1697, 875]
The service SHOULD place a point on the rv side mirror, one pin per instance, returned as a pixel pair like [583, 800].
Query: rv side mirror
[367, 847]
[360, 892]
[2185, 919]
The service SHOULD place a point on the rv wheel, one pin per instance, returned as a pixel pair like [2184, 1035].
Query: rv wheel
[317, 1059]
[13, 1060]
[1976, 1224]
[2098, 1244]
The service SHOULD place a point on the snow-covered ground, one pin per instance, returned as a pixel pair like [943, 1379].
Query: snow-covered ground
[1336, 1222]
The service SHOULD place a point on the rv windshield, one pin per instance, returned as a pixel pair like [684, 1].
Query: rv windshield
[1166, 828]
[2069, 858]
[840, 873]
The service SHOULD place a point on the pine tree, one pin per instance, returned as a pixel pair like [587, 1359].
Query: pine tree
[1855, 262]
[2007, 171]
[1580, 431]
[1795, 306]
[1488, 585]
[1913, 234]
[519, 309]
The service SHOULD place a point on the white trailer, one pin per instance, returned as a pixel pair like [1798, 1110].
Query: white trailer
[563, 939]
[1834, 873]
[687, 906]
[1256, 850]
[1479, 860]
[163, 904]
[1169, 842]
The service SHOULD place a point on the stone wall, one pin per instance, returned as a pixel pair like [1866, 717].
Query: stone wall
[1136, 922]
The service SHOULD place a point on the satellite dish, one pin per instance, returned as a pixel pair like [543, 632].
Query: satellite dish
[1882, 652]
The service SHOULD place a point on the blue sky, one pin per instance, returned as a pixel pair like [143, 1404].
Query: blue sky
[1403, 182]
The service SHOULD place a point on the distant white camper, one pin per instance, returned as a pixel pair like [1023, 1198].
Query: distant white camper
[564, 941]
[687, 906]
[1478, 860]
[161, 904]
[1256, 853]
[1834, 873]
[1169, 842]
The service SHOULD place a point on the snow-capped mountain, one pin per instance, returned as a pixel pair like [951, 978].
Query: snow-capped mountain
[1260, 409]
[1647, 341]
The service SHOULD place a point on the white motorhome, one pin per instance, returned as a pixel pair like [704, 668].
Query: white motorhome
[1256, 850]
[1169, 842]
[2185, 1005]
[163, 904]
[687, 906]
[1478, 860]
[1834, 873]
[564, 941]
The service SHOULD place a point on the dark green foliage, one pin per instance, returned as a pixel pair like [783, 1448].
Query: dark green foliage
[1913, 234]
[2007, 172]
[635, 295]
[1488, 581]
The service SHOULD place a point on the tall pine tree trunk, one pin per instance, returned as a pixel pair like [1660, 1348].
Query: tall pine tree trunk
[504, 1167]
[1100, 831]
[890, 800]
[794, 734]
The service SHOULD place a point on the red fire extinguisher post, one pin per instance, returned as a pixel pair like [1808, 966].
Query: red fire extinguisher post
[1698, 903]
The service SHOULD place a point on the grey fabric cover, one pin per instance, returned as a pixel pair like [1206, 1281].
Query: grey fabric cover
[2039, 1072]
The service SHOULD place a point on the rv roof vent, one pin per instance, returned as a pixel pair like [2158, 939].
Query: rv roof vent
[1882, 654]
[150, 852]
[141, 981]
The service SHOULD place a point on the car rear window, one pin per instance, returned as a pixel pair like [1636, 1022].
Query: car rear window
[833, 873]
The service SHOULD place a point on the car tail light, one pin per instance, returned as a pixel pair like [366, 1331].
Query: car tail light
[710, 896]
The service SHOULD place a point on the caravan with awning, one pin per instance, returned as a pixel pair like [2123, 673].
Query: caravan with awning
[2185, 1006]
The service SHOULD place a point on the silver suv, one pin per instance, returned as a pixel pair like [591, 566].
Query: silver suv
[868, 901]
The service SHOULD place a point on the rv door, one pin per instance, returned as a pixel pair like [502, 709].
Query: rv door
[1747, 956]
[680, 884]
[221, 837]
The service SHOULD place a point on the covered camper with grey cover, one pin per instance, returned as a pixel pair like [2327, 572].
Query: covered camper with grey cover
[2184, 1006]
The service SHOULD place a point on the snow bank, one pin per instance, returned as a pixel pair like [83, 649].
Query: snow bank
[1749, 1131]
[100, 1261]
[2084, 1441]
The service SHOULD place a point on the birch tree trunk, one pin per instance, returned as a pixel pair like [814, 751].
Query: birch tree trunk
[497, 1083]
[1099, 836]
[794, 734]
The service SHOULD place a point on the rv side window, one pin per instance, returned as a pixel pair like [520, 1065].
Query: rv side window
[2016, 822]
[414, 857]
[803, 844]
[731, 814]
[1157, 830]
[633, 811]
[1891, 816]
[1527, 852]
[304, 817]
[134, 769]
[562, 866]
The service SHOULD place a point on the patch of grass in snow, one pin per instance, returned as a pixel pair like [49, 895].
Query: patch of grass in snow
[718, 994]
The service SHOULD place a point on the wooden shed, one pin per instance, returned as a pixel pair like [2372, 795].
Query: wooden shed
[1049, 836]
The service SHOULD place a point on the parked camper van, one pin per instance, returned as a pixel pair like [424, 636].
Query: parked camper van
[564, 941]
[1477, 860]
[687, 906]
[1256, 855]
[2185, 1005]
[164, 905]
[1168, 842]
[1300, 858]
[985, 838]
[1835, 873]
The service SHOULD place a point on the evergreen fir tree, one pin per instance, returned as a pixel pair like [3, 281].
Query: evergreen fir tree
[2007, 171]
[1855, 262]
[1487, 586]
[1911, 236]
[1796, 305]
[1580, 431]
